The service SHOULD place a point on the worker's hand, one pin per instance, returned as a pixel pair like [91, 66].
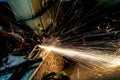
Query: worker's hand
[16, 39]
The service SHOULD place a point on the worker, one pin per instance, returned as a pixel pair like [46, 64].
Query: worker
[8, 42]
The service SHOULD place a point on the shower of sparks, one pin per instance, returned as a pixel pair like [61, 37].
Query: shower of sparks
[86, 36]
[86, 57]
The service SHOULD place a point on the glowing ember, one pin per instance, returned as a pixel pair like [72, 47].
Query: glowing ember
[87, 57]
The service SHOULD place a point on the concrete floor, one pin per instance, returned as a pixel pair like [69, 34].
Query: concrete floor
[77, 72]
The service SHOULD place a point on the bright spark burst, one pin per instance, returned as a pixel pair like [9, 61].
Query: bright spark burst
[87, 57]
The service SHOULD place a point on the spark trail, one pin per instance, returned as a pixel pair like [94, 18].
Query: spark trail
[86, 57]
